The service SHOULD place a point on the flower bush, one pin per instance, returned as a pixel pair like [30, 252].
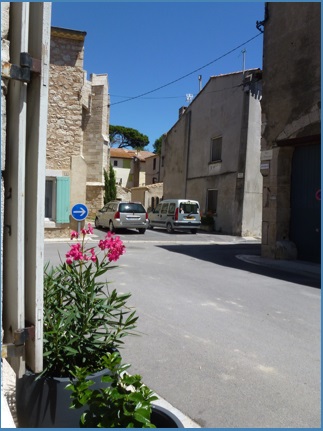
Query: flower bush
[83, 321]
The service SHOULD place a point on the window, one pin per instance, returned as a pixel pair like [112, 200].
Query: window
[115, 162]
[49, 198]
[157, 209]
[212, 200]
[154, 164]
[216, 149]
[131, 208]
[171, 209]
[164, 209]
[57, 199]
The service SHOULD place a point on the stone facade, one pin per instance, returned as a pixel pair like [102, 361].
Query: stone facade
[130, 166]
[212, 153]
[66, 79]
[78, 129]
[291, 124]
[149, 195]
[153, 173]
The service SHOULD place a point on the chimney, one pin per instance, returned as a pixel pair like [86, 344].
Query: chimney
[181, 111]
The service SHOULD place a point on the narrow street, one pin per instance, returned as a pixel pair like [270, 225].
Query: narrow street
[227, 342]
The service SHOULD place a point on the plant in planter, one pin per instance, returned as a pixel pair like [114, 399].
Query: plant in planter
[124, 403]
[83, 322]
[207, 222]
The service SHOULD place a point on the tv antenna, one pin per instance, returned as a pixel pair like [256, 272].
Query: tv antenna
[189, 98]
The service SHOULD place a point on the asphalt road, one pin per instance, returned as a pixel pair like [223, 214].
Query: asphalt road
[228, 343]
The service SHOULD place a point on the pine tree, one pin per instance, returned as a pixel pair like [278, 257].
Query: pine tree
[110, 189]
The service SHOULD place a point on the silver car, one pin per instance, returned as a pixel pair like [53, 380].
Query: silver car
[120, 214]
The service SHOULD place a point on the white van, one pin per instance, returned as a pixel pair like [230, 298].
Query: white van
[174, 214]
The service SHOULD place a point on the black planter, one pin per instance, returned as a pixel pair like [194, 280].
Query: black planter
[163, 418]
[45, 403]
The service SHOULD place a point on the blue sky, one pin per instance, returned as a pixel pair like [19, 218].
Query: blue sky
[143, 46]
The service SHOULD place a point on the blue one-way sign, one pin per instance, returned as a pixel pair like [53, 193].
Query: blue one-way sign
[79, 212]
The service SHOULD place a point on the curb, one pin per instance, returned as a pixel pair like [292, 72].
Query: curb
[293, 266]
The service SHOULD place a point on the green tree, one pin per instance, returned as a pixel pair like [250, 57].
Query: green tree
[110, 188]
[157, 145]
[123, 137]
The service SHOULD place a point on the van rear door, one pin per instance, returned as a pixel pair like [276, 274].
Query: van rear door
[189, 211]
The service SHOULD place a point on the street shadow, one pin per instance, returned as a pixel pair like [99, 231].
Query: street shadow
[122, 231]
[226, 255]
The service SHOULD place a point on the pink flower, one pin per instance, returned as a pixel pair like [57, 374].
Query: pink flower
[90, 229]
[75, 253]
[93, 255]
[114, 245]
[74, 234]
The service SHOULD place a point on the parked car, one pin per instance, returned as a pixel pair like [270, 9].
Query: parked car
[120, 214]
[174, 214]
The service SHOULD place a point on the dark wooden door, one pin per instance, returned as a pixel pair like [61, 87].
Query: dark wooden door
[305, 226]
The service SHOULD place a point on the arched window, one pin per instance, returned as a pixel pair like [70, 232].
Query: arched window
[153, 203]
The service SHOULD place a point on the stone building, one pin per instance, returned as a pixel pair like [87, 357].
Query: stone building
[291, 135]
[129, 166]
[212, 153]
[77, 134]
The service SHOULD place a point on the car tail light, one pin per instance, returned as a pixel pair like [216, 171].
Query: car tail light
[146, 216]
[117, 215]
[176, 214]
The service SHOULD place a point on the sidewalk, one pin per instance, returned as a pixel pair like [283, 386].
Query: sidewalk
[292, 266]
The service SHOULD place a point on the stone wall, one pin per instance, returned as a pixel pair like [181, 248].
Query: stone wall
[291, 112]
[66, 79]
[94, 199]
[78, 125]
[96, 130]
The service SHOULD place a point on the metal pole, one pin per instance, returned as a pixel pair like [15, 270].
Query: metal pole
[243, 60]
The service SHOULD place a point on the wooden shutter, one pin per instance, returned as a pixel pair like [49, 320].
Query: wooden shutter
[62, 200]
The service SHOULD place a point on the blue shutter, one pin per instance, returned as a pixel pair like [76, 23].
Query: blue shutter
[62, 200]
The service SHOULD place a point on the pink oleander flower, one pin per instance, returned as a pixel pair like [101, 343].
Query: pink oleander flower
[90, 229]
[74, 234]
[93, 255]
[112, 246]
[75, 253]
[87, 231]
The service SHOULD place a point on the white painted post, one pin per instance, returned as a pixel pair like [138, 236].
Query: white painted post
[37, 102]
[14, 211]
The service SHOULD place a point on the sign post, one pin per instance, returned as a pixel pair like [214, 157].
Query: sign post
[79, 212]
